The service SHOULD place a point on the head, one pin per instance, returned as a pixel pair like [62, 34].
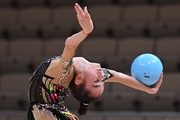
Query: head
[87, 85]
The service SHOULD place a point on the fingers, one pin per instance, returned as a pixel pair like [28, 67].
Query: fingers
[161, 79]
[86, 12]
[79, 10]
[81, 13]
[159, 82]
[155, 88]
[84, 18]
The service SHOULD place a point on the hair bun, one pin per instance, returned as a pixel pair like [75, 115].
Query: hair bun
[85, 104]
[83, 108]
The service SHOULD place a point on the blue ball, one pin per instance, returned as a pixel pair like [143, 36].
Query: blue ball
[147, 69]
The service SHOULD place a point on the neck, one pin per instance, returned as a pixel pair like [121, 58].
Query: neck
[80, 63]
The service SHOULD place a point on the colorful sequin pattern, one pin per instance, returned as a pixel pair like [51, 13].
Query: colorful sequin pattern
[50, 97]
[59, 94]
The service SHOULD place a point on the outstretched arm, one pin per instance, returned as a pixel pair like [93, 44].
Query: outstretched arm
[132, 82]
[72, 42]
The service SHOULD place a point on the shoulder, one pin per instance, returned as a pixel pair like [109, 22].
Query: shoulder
[59, 60]
[79, 59]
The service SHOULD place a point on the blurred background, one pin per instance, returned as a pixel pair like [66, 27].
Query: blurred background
[33, 30]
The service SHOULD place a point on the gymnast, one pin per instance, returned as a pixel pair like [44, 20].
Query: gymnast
[56, 77]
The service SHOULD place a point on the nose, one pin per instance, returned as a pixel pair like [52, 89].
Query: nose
[96, 64]
[101, 75]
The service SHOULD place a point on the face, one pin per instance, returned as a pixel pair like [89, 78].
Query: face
[93, 77]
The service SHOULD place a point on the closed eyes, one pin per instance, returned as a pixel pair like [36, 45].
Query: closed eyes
[97, 83]
[96, 86]
[96, 80]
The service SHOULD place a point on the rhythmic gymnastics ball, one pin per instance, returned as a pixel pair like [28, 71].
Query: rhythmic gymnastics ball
[147, 69]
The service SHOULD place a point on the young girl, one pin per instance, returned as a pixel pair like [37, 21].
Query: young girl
[56, 77]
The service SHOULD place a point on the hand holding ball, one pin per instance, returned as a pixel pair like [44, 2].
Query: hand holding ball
[147, 68]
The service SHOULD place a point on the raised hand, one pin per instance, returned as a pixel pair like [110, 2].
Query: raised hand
[84, 19]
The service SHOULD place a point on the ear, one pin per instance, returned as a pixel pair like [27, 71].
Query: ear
[78, 79]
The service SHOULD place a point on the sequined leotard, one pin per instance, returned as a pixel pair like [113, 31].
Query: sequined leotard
[47, 99]
[49, 96]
